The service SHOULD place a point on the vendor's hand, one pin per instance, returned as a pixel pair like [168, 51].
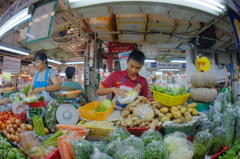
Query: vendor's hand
[30, 93]
[5, 101]
[37, 90]
[119, 92]
[137, 89]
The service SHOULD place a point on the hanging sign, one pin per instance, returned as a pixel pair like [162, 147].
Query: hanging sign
[6, 77]
[115, 47]
[11, 65]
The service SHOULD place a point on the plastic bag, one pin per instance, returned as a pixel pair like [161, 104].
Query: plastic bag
[129, 152]
[149, 135]
[100, 145]
[112, 147]
[218, 140]
[29, 139]
[134, 141]
[82, 149]
[50, 119]
[131, 96]
[207, 125]
[99, 155]
[144, 111]
[202, 143]
[20, 109]
[229, 124]
[185, 150]
[118, 132]
[175, 139]
[156, 150]
[47, 97]
[237, 127]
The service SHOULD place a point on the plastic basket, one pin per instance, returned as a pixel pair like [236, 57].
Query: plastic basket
[139, 131]
[170, 100]
[86, 112]
[188, 130]
[53, 155]
[36, 104]
[203, 107]
[219, 153]
[96, 131]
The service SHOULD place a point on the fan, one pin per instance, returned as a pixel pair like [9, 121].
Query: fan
[59, 35]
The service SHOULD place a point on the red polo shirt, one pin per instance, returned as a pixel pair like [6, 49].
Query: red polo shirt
[115, 80]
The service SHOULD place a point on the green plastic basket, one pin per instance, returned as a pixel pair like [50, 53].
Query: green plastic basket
[203, 107]
[188, 130]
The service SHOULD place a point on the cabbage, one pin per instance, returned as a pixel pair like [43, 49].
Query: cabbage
[105, 104]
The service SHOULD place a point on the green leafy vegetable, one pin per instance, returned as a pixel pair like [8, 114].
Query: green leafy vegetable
[217, 142]
[82, 149]
[118, 132]
[156, 150]
[105, 104]
[149, 135]
[26, 90]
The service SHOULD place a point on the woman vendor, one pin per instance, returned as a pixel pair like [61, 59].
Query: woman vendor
[45, 78]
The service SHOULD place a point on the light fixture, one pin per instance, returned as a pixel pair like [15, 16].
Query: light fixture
[179, 61]
[215, 7]
[62, 74]
[149, 61]
[53, 61]
[13, 50]
[74, 62]
[170, 69]
[14, 21]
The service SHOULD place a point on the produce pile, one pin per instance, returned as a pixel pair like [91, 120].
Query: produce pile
[143, 113]
[172, 90]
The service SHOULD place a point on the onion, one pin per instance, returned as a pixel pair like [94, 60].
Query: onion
[10, 126]
[17, 138]
[19, 130]
[13, 137]
[8, 122]
[12, 131]
[29, 127]
[15, 126]
[24, 128]
[46, 130]
[12, 121]
[9, 136]
[23, 125]
[18, 122]
[7, 130]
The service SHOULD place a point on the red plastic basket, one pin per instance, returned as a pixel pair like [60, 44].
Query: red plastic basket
[139, 131]
[36, 104]
[219, 153]
[54, 155]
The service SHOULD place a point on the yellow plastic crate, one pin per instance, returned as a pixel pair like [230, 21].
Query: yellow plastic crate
[96, 131]
[86, 112]
[170, 100]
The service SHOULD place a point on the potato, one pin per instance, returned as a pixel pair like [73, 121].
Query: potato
[183, 110]
[183, 120]
[176, 113]
[194, 112]
[190, 110]
[177, 121]
[192, 105]
[164, 110]
[165, 118]
[169, 115]
[188, 116]
[179, 107]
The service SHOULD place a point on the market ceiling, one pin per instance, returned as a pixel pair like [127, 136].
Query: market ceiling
[171, 28]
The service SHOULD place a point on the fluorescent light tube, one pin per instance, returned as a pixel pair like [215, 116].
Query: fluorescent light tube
[179, 61]
[74, 62]
[13, 50]
[53, 61]
[14, 21]
[170, 69]
[149, 61]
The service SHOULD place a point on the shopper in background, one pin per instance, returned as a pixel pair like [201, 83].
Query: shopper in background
[4, 101]
[70, 73]
[120, 82]
[45, 79]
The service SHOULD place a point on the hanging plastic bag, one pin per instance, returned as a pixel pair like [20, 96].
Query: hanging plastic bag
[99, 155]
[47, 97]
[20, 109]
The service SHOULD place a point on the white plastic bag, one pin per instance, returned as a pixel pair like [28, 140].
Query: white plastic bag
[47, 97]
[144, 111]
[131, 96]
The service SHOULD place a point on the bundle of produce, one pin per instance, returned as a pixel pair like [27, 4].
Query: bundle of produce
[53, 139]
[129, 152]
[171, 89]
[216, 117]
[112, 147]
[149, 135]
[206, 125]
[202, 143]
[100, 145]
[82, 149]
[99, 155]
[118, 132]
[156, 149]
[218, 140]
[77, 130]
[104, 105]
[38, 125]
[233, 152]
[50, 119]
[134, 141]
[26, 90]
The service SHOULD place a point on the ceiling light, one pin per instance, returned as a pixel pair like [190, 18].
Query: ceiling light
[53, 61]
[14, 21]
[214, 7]
[149, 61]
[179, 61]
[13, 50]
[170, 69]
[74, 62]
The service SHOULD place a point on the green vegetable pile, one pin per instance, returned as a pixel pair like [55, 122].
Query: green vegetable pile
[233, 152]
[171, 90]
[118, 132]
[8, 152]
[156, 150]
[149, 135]
[35, 111]
[105, 104]
[50, 119]
[26, 90]
[82, 149]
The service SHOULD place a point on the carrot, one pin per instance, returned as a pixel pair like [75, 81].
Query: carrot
[66, 152]
[66, 126]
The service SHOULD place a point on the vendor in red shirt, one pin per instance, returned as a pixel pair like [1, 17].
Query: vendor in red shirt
[120, 82]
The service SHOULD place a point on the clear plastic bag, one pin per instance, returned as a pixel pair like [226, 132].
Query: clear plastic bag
[100, 145]
[206, 125]
[134, 141]
[131, 96]
[156, 150]
[175, 139]
[20, 109]
[50, 119]
[185, 150]
[218, 139]
[216, 118]
[82, 149]
[129, 152]
[47, 97]
[29, 139]
[144, 111]
[237, 127]
[149, 135]
[202, 143]
[118, 132]
[112, 147]
[99, 155]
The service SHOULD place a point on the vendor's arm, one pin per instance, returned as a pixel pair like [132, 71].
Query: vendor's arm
[144, 88]
[105, 91]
